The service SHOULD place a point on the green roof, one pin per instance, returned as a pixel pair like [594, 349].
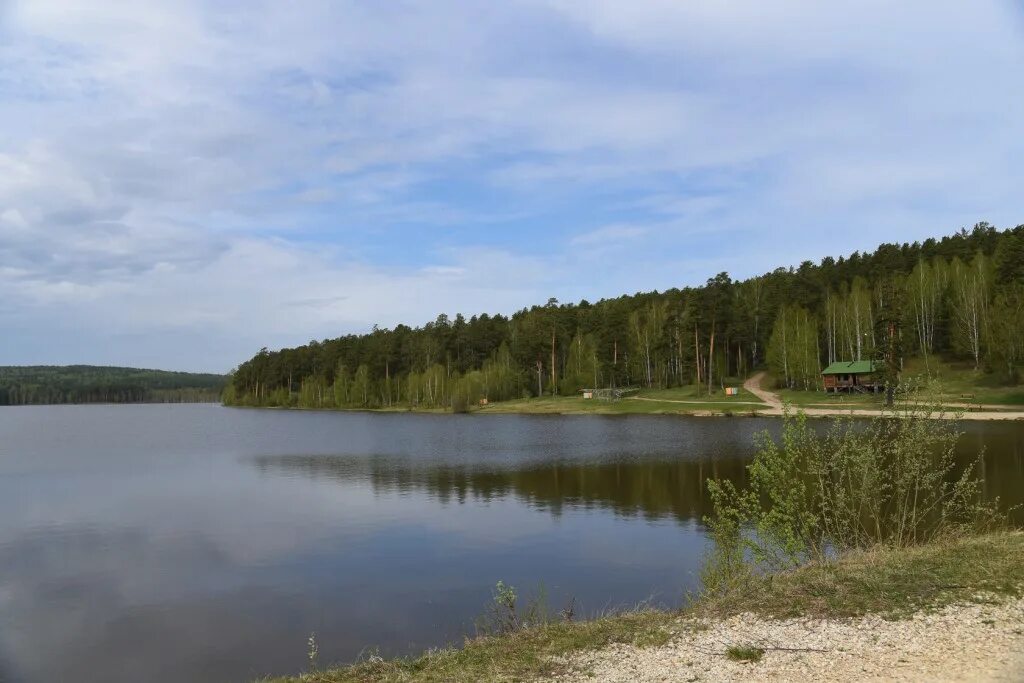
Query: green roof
[851, 367]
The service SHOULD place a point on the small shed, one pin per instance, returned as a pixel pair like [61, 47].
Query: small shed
[856, 375]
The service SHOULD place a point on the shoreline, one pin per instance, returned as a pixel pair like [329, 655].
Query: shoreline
[769, 405]
[947, 607]
[814, 413]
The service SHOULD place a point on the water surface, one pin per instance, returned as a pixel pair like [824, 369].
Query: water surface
[201, 543]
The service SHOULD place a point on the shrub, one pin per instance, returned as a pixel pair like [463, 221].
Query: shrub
[891, 481]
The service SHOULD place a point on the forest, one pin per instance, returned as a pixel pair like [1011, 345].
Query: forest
[957, 297]
[47, 384]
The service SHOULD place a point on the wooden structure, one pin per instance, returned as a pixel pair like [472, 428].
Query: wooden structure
[857, 375]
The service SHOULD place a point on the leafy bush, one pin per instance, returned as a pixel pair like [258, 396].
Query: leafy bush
[891, 481]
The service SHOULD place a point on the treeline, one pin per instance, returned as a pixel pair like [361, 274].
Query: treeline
[960, 296]
[37, 385]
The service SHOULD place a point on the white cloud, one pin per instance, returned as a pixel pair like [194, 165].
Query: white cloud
[174, 176]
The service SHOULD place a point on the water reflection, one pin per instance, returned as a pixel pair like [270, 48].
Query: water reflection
[653, 490]
[628, 484]
[1002, 465]
[169, 543]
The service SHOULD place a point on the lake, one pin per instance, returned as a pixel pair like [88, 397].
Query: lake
[202, 543]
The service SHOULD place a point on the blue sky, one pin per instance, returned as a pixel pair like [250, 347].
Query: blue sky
[184, 182]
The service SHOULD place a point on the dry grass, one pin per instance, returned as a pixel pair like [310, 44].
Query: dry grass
[511, 657]
[881, 581]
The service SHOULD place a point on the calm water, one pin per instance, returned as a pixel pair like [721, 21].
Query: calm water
[200, 543]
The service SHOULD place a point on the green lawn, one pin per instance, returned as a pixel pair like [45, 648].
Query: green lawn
[953, 382]
[573, 405]
[694, 393]
[956, 379]
[802, 399]
[677, 400]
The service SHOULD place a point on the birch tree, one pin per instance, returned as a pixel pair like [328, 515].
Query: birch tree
[926, 287]
[793, 348]
[970, 285]
[1007, 330]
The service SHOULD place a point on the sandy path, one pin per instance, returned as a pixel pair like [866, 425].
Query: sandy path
[967, 642]
[753, 385]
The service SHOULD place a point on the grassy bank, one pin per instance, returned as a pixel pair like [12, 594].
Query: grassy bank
[893, 583]
[685, 400]
[954, 383]
[642, 405]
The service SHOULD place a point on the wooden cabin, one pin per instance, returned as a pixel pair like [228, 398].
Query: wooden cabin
[857, 375]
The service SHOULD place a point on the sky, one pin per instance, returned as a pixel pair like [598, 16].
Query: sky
[183, 182]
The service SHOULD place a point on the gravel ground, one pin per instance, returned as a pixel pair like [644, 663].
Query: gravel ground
[966, 642]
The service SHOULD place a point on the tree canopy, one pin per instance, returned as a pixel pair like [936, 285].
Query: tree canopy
[41, 384]
[961, 295]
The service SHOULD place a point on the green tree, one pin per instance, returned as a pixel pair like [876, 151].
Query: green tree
[793, 348]
[971, 286]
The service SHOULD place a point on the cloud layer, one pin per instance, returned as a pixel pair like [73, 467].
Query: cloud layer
[184, 182]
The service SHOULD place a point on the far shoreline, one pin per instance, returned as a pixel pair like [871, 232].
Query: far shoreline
[767, 412]
[768, 404]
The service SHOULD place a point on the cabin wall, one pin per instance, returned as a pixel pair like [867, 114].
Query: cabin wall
[848, 381]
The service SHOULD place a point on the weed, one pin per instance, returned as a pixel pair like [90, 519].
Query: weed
[505, 615]
[312, 652]
[744, 653]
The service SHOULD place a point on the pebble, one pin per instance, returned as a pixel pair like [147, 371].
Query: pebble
[960, 642]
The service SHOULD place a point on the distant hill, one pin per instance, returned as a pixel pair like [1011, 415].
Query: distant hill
[48, 384]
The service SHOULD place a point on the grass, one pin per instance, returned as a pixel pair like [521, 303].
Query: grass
[572, 405]
[687, 400]
[510, 657]
[887, 582]
[805, 399]
[693, 392]
[957, 378]
[744, 653]
[956, 382]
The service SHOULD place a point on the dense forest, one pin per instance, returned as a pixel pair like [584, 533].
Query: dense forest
[42, 384]
[961, 296]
